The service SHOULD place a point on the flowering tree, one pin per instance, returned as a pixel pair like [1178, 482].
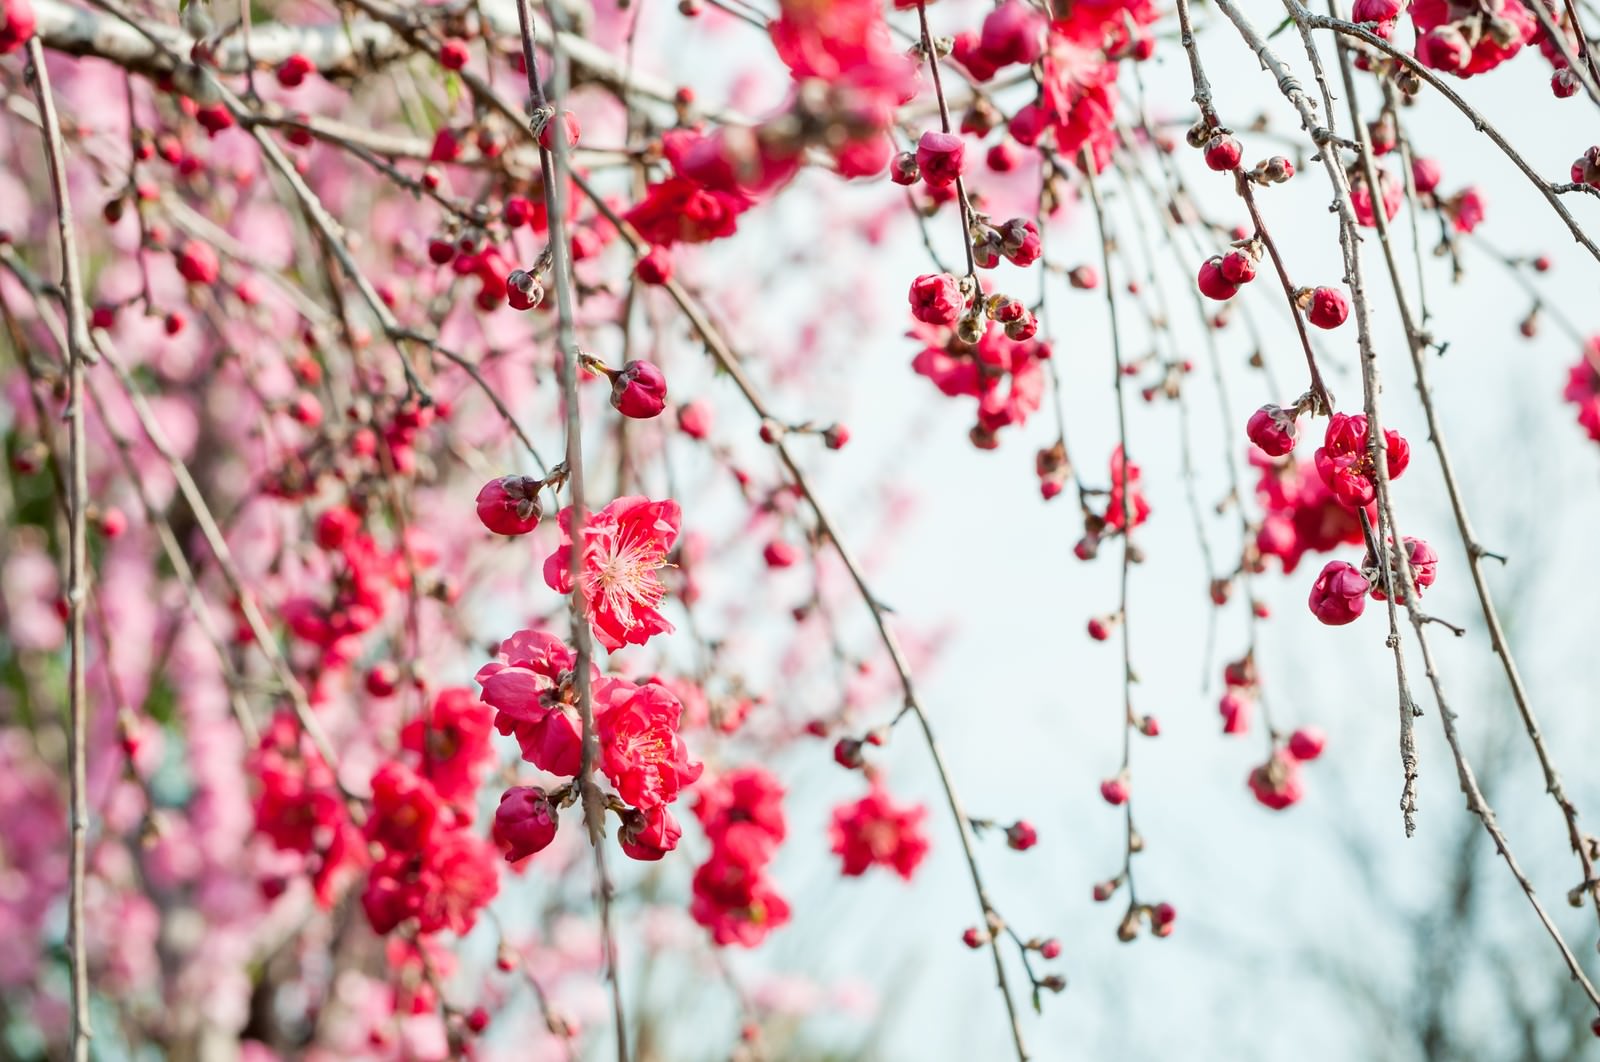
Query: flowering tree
[424, 570]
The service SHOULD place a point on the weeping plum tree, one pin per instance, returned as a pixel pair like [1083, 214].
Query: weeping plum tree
[407, 404]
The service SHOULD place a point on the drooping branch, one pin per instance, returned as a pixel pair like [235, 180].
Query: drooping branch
[1399, 563]
[554, 167]
[1417, 343]
[78, 353]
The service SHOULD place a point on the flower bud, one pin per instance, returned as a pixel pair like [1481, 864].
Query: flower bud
[510, 505]
[639, 390]
[1340, 594]
[1114, 791]
[524, 823]
[567, 124]
[1021, 835]
[654, 266]
[197, 263]
[1307, 743]
[847, 753]
[453, 54]
[1213, 284]
[936, 299]
[1223, 152]
[903, 170]
[1277, 169]
[292, 72]
[941, 158]
[1328, 308]
[1238, 267]
[523, 290]
[1444, 48]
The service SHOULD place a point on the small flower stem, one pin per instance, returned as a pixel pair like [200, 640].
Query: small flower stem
[1086, 165]
[944, 124]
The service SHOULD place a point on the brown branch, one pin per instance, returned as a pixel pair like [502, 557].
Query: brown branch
[1477, 803]
[1311, 20]
[1202, 97]
[78, 353]
[553, 165]
[1417, 343]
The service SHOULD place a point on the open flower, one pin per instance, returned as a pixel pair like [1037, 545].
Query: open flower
[528, 686]
[625, 544]
[875, 831]
[1345, 464]
[640, 750]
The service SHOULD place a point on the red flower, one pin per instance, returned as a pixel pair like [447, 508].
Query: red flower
[1238, 267]
[452, 738]
[694, 419]
[1125, 477]
[1213, 283]
[648, 835]
[529, 686]
[742, 808]
[780, 554]
[1466, 209]
[1583, 388]
[734, 899]
[1302, 514]
[847, 45]
[625, 544]
[1394, 194]
[679, 210]
[1021, 835]
[1424, 570]
[1223, 152]
[17, 22]
[1443, 35]
[1345, 465]
[1013, 33]
[1383, 12]
[936, 299]
[874, 831]
[298, 806]
[442, 886]
[404, 808]
[941, 158]
[292, 72]
[1340, 594]
[654, 266]
[1235, 709]
[197, 263]
[640, 750]
[984, 371]
[1425, 173]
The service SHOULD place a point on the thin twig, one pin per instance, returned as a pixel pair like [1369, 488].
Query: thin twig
[79, 352]
[553, 165]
